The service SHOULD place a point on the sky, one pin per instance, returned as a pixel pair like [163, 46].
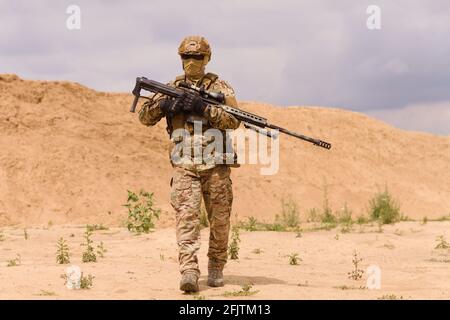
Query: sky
[304, 52]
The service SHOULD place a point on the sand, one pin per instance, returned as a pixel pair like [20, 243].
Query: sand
[145, 266]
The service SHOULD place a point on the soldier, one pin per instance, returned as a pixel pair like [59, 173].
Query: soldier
[191, 181]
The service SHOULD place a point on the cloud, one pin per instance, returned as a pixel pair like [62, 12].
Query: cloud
[287, 53]
[432, 117]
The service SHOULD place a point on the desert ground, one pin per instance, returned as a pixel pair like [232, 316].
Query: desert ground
[145, 266]
[68, 155]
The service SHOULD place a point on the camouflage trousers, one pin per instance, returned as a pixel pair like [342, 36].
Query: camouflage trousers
[188, 188]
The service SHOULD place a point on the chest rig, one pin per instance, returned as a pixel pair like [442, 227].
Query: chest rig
[186, 121]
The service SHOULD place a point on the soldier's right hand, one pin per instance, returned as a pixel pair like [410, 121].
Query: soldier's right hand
[170, 106]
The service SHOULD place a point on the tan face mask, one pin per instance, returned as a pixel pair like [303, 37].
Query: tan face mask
[194, 68]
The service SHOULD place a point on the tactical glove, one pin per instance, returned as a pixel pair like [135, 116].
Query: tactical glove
[193, 103]
[170, 106]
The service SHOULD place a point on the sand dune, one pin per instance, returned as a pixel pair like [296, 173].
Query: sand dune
[69, 153]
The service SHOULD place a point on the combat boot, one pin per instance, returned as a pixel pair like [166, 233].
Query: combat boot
[189, 282]
[215, 278]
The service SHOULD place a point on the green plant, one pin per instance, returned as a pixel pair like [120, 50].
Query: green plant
[89, 254]
[345, 216]
[356, 273]
[245, 291]
[345, 287]
[345, 219]
[62, 252]
[313, 215]
[384, 208]
[294, 259]
[141, 212]
[95, 227]
[252, 224]
[327, 216]
[14, 262]
[257, 251]
[444, 218]
[390, 297]
[275, 226]
[233, 248]
[101, 250]
[289, 213]
[199, 297]
[362, 220]
[46, 293]
[442, 243]
[86, 282]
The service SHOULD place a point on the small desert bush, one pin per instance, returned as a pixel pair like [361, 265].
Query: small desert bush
[88, 255]
[327, 217]
[101, 250]
[244, 292]
[276, 226]
[444, 218]
[294, 259]
[86, 282]
[95, 227]
[390, 297]
[384, 208]
[141, 212]
[442, 243]
[62, 252]
[252, 224]
[289, 213]
[14, 262]
[362, 220]
[356, 273]
[345, 219]
[313, 215]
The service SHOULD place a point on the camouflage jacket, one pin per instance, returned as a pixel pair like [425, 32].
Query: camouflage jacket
[214, 117]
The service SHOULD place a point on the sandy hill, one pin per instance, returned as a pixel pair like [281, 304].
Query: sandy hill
[69, 153]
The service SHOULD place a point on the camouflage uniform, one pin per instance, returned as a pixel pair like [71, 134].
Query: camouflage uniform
[190, 182]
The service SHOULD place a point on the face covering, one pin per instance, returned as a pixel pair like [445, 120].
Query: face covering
[193, 68]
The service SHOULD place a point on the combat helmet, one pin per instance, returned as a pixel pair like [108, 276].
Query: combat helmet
[195, 45]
